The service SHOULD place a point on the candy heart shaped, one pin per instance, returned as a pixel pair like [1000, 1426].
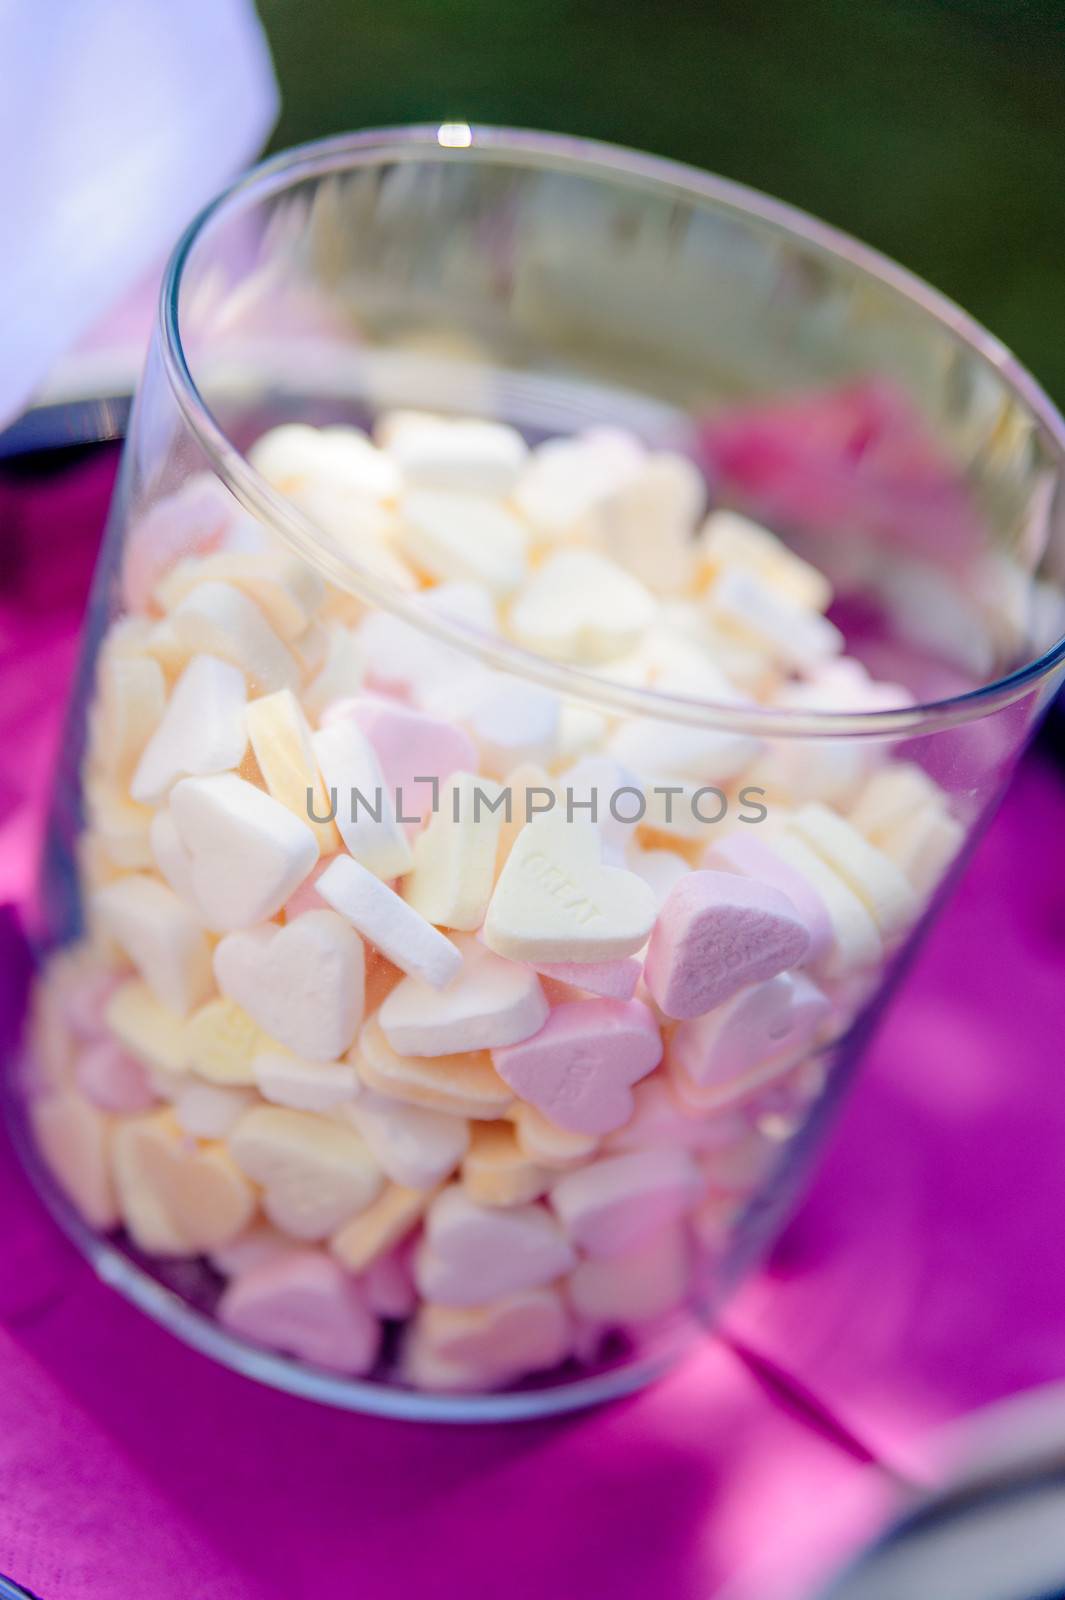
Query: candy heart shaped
[718, 933]
[111, 1079]
[74, 1139]
[527, 1332]
[303, 983]
[177, 1197]
[761, 1027]
[415, 1146]
[202, 729]
[463, 1085]
[472, 1254]
[643, 1284]
[249, 854]
[496, 1170]
[411, 749]
[305, 1304]
[377, 1231]
[753, 859]
[315, 1173]
[555, 901]
[579, 1069]
[610, 1207]
[579, 606]
[491, 1003]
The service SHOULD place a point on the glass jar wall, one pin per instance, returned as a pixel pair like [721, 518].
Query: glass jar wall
[562, 621]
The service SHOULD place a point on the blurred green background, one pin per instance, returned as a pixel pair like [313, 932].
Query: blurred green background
[934, 129]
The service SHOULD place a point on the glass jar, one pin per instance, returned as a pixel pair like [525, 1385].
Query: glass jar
[442, 1117]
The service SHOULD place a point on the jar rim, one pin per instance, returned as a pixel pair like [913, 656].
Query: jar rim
[592, 158]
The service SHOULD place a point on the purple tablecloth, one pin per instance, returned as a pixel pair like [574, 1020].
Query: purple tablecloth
[922, 1278]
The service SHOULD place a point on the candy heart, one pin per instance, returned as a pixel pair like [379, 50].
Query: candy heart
[377, 1230]
[406, 938]
[130, 702]
[281, 741]
[196, 518]
[74, 1139]
[581, 607]
[410, 747]
[614, 980]
[177, 1197]
[728, 540]
[415, 1146]
[305, 1304]
[303, 983]
[455, 857]
[202, 729]
[716, 934]
[868, 872]
[761, 1027]
[610, 1207]
[210, 1110]
[364, 809]
[111, 1079]
[642, 1284]
[315, 1173]
[497, 1172]
[465, 1085]
[249, 854]
[160, 935]
[545, 1143]
[579, 1068]
[286, 1079]
[555, 901]
[470, 456]
[751, 858]
[490, 1003]
[217, 619]
[451, 535]
[472, 1254]
[388, 1285]
[283, 587]
[527, 1332]
[662, 1120]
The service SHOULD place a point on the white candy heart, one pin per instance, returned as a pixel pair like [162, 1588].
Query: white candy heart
[218, 619]
[249, 854]
[365, 810]
[555, 901]
[413, 1145]
[161, 936]
[315, 1173]
[394, 927]
[303, 984]
[291, 1080]
[467, 455]
[455, 856]
[474, 1254]
[490, 1003]
[581, 607]
[463, 536]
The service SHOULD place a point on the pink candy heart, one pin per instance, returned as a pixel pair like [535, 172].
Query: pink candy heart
[473, 1254]
[753, 859]
[305, 1304]
[716, 934]
[579, 1069]
[410, 747]
[761, 1026]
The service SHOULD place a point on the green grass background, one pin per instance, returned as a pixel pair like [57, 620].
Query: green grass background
[934, 129]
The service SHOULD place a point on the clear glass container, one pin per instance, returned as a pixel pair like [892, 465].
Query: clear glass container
[400, 1205]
